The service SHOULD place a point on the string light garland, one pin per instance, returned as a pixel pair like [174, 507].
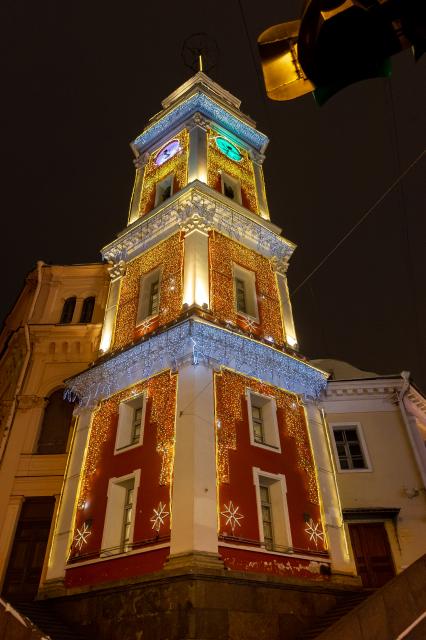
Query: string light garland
[169, 256]
[215, 345]
[199, 102]
[230, 390]
[241, 170]
[161, 389]
[223, 253]
[177, 165]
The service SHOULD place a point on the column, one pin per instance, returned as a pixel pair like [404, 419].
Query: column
[194, 503]
[197, 163]
[63, 532]
[260, 188]
[7, 533]
[285, 304]
[140, 163]
[328, 489]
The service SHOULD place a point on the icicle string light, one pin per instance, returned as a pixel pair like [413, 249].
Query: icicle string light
[199, 102]
[230, 392]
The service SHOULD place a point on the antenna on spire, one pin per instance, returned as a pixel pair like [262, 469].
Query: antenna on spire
[200, 52]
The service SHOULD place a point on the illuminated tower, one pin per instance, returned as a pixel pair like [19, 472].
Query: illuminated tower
[198, 436]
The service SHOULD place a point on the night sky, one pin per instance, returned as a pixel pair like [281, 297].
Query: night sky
[79, 82]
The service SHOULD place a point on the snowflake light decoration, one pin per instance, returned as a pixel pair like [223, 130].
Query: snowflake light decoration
[81, 536]
[145, 325]
[159, 517]
[315, 532]
[232, 515]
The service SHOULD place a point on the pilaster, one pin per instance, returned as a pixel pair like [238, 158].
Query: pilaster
[332, 510]
[194, 510]
[68, 502]
[196, 265]
[197, 164]
[116, 272]
[280, 267]
[260, 186]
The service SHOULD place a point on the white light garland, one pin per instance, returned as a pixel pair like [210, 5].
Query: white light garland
[214, 346]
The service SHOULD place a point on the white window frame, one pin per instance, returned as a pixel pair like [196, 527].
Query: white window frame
[350, 425]
[249, 279]
[144, 295]
[269, 418]
[165, 182]
[280, 513]
[113, 525]
[126, 412]
[234, 183]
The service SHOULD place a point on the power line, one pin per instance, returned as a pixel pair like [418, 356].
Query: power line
[360, 221]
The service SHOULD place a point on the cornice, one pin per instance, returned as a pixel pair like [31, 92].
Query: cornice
[208, 107]
[199, 204]
[362, 388]
[194, 342]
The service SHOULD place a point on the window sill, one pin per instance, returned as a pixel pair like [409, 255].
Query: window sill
[268, 447]
[128, 447]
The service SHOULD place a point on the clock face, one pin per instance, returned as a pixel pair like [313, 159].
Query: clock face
[167, 152]
[228, 149]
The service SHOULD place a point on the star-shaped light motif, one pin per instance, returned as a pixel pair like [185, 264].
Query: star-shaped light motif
[159, 517]
[144, 326]
[81, 536]
[314, 532]
[232, 515]
[250, 324]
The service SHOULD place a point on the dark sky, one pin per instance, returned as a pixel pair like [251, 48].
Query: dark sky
[79, 82]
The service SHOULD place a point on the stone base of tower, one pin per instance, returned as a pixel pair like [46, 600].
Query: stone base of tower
[201, 604]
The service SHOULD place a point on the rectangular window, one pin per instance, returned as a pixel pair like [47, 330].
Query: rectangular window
[149, 296]
[263, 423]
[265, 502]
[257, 420]
[349, 447]
[272, 510]
[154, 298]
[245, 292]
[164, 189]
[120, 514]
[130, 427]
[129, 487]
[241, 295]
[231, 187]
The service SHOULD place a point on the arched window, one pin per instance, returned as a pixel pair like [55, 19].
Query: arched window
[68, 310]
[56, 424]
[87, 309]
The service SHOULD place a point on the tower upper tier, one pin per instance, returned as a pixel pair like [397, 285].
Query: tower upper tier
[200, 134]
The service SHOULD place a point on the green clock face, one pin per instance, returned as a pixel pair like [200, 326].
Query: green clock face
[228, 149]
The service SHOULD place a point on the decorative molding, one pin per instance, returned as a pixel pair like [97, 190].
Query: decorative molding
[117, 269]
[31, 402]
[200, 102]
[198, 120]
[141, 160]
[198, 201]
[280, 265]
[194, 342]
